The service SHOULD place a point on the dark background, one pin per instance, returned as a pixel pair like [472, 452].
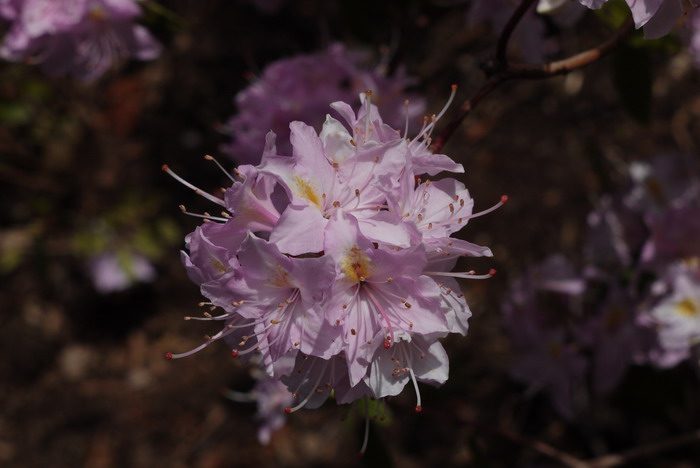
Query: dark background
[83, 380]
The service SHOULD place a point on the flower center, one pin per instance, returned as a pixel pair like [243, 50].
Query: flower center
[687, 307]
[356, 265]
[307, 191]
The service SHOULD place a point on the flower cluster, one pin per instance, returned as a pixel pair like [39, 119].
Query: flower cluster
[637, 301]
[79, 37]
[302, 88]
[339, 258]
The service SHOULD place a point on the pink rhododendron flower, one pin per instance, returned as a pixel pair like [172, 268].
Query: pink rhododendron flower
[80, 37]
[544, 357]
[693, 37]
[337, 258]
[657, 17]
[677, 314]
[301, 88]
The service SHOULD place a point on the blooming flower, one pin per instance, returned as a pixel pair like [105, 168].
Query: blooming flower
[677, 314]
[657, 17]
[347, 273]
[301, 88]
[79, 37]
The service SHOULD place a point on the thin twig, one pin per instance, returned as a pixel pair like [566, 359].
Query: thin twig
[509, 28]
[564, 66]
[500, 72]
[619, 459]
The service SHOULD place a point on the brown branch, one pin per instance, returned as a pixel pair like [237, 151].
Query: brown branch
[564, 66]
[509, 28]
[610, 461]
[500, 72]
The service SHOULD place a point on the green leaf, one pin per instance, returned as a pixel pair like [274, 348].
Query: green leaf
[14, 113]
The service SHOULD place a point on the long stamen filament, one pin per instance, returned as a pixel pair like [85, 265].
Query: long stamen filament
[211, 158]
[366, 438]
[197, 190]
[459, 274]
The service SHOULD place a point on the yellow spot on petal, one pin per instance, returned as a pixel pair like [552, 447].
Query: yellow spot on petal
[687, 307]
[217, 265]
[279, 277]
[356, 265]
[97, 14]
[307, 190]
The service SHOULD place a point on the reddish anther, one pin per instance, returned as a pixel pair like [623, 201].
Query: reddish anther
[234, 353]
[168, 355]
[419, 409]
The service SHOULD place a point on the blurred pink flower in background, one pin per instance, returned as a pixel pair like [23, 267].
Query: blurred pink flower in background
[302, 87]
[79, 37]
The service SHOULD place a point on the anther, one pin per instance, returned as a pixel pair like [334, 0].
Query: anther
[168, 355]
[419, 409]
[234, 353]
[387, 344]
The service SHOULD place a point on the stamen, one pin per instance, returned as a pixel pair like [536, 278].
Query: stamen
[435, 118]
[209, 157]
[368, 94]
[205, 216]
[466, 274]
[311, 393]
[197, 190]
[405, 111]
[503, 201]
[384, 316]
[419, 408]
[366, 438]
